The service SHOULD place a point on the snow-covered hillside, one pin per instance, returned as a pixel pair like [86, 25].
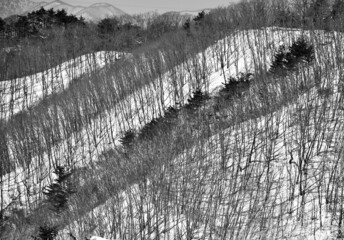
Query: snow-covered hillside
[22, 93]
[259, 194]
[270, 177]
[243, 51]
[132, 113]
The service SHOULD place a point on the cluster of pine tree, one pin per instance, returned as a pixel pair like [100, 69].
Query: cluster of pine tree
[165, 123]
[58, 194]
[158, 125]
[196, 21]
[288, 59]
[154, 127]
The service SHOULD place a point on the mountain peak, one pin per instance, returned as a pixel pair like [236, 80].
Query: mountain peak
[101, 5]
[99, 11]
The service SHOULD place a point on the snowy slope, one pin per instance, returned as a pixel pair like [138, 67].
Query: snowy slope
[20, 94]
[274, 186]
[241, 51]
[139, 108]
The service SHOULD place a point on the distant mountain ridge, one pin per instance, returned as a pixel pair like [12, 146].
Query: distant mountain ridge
[12, 7]
[99, 11]
[94, 12]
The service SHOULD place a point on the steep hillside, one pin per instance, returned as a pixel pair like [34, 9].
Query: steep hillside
[22, 93]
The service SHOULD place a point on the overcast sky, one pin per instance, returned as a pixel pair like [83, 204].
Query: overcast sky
[139, 6]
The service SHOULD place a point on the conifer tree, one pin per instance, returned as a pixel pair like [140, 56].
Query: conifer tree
[197, 100]
[302, 51]
[47, 233]
[2, 24]
[59, 191]
[128, 138]
[277, 65]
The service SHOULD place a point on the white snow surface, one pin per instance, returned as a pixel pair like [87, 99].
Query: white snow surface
[97, 238]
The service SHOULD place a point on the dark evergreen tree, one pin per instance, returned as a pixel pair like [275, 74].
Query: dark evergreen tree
[149, 130]
[108, 26]
[302, 51]
[199, 17]
[128, 138]
[196, 101]
[2, 25]
[59, 191]
[187, 25]
[62, 174]
[235, 87]
[279, 57]
[61, 16]
[47, 233]
[22, 26]
[299, 52]
[170, 115]
[32, 24]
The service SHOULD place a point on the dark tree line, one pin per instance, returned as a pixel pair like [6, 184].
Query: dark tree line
[32, 24]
